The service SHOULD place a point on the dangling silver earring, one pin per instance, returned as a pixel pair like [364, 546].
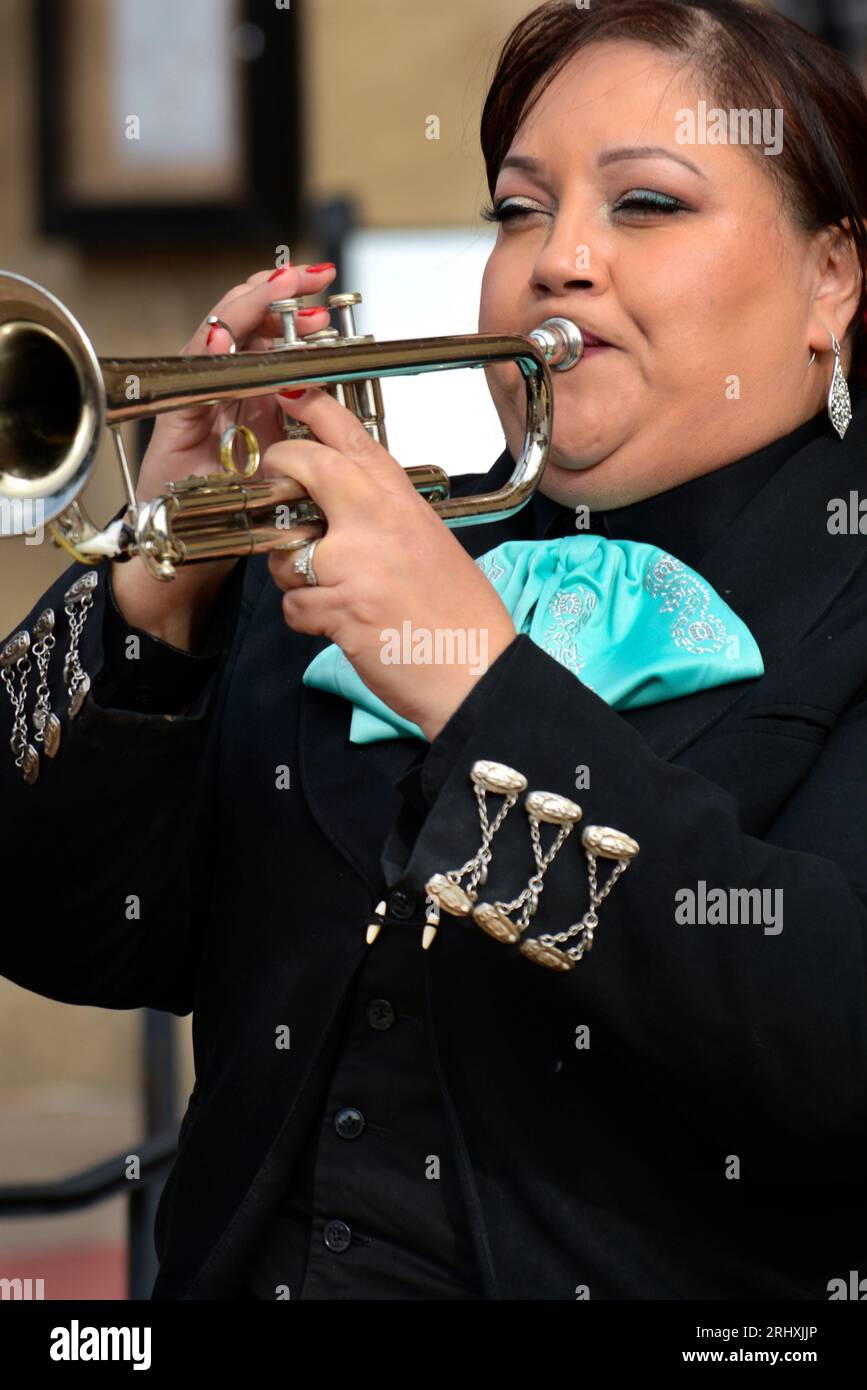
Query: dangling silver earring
[839, 400]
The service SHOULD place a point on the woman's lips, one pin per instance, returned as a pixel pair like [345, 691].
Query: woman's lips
[591, 349]
[592, 343]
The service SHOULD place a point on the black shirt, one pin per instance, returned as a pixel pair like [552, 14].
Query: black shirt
[373, 1208]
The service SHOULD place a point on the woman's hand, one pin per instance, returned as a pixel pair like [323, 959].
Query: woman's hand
[187, 441]
[386, 560]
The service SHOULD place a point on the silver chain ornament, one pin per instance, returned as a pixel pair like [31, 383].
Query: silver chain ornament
[599, 841]
[448, 892]
[15, 661]
[542, 808]
[16, 664]
[45, 722]
[78, 601]
[445, 891]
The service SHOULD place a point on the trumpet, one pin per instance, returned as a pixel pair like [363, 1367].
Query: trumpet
[57, 395]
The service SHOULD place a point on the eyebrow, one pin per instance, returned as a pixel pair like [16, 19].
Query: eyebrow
[612, 156]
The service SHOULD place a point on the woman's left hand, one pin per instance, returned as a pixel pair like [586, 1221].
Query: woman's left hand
[386, 560]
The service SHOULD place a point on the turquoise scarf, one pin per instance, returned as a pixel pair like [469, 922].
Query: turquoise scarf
[632, 623]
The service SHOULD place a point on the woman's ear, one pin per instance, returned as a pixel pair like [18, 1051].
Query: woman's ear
[838, 287]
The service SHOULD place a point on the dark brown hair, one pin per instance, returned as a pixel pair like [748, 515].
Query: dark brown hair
[749, 58]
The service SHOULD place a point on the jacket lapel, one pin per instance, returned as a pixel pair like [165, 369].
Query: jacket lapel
[333, 774]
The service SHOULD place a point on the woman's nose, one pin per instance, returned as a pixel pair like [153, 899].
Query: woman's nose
[569, 260]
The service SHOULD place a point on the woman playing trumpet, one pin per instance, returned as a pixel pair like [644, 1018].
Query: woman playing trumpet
[541, 977]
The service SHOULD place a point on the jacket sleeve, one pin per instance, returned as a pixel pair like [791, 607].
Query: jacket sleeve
[769, 1021]
[106, 854]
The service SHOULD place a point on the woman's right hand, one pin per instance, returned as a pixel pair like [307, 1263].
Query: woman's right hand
[187, 441]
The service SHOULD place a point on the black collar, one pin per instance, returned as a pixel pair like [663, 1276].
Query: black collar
[686, 520]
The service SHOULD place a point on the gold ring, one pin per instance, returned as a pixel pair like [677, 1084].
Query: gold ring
[227, 457]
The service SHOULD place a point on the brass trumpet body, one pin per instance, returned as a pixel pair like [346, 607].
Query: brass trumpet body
[56, 396]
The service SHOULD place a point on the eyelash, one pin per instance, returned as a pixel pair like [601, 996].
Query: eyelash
[504, 211]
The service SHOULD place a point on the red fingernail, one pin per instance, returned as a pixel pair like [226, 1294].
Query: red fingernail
[305, 313]
[281, 271]
[292, 395]
[211, 332]
[326, 265]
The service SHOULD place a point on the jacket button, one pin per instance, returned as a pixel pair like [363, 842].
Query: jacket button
[337, 1236]
[349, 1122]
[401, 904]
[380, 1014]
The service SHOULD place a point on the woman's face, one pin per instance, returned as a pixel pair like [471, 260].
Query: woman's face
[676, 255]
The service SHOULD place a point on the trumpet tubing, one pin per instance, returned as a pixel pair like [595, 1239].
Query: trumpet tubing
[56, 396]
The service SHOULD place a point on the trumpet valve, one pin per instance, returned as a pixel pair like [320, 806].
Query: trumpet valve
[287, 309]
[345, 306]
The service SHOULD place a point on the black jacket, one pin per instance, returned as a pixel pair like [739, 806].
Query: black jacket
[597, 1171]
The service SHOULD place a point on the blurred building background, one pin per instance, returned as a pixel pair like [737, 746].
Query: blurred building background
[371, 73]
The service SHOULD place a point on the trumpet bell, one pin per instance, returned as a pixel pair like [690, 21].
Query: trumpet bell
[52, 405]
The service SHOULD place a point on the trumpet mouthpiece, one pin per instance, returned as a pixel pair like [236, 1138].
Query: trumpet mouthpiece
[561, 341]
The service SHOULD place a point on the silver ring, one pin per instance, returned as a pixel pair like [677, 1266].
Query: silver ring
[303, 563]
[221, 323]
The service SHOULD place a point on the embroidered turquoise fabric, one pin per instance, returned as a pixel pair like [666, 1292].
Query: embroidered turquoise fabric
[630, 621]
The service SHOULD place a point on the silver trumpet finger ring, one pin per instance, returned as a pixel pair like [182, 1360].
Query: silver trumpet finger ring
[221, 323]
[303, 562]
